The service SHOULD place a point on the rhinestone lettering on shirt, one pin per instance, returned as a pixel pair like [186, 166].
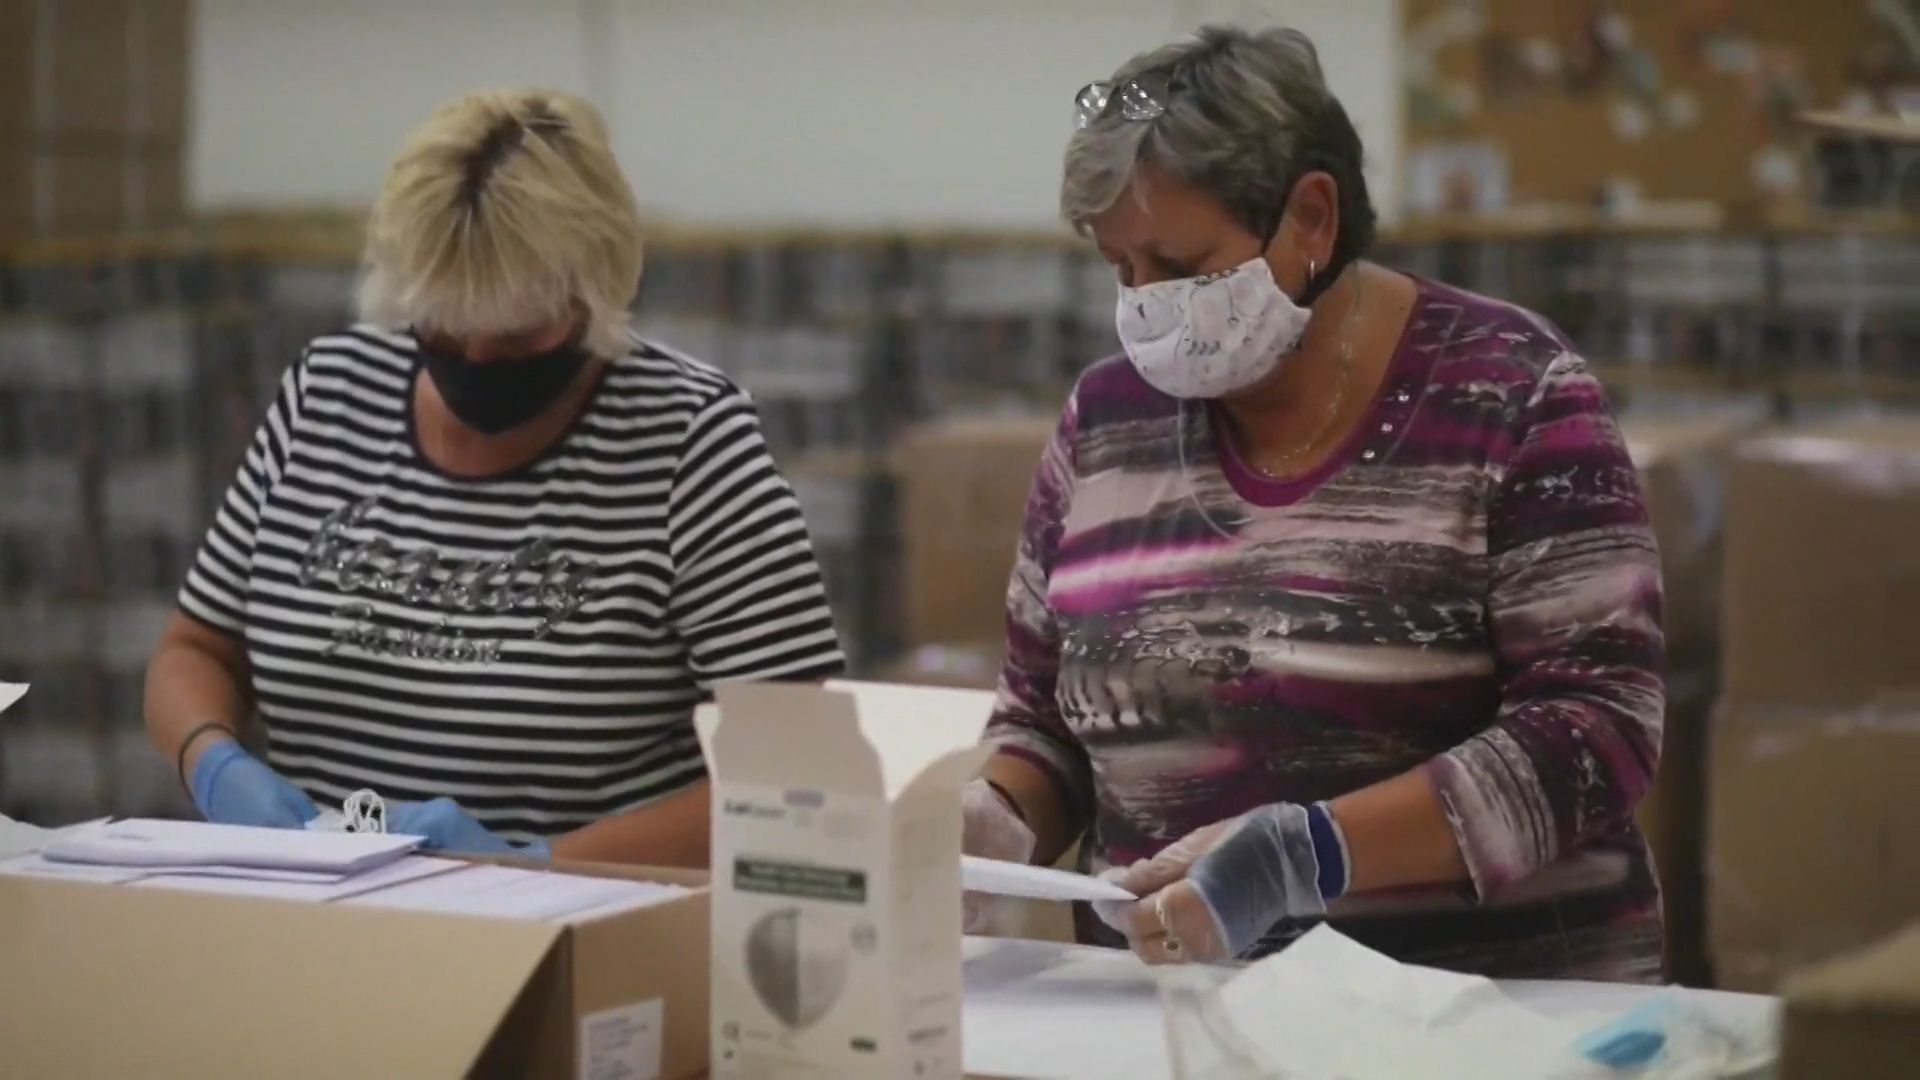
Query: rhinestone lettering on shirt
[530, 578]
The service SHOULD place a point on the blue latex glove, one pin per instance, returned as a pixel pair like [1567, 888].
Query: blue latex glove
[232, 787]
[448, 827]
[1212, 894]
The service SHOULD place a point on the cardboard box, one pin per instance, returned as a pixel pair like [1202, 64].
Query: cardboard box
[963, 499]
[111, 980]
[1823, 567]
[836, 902]
[1813, 835]
[1673, 818]
[160, 100]
[93, 67]
[1857, 1017]
[70, 187]
[1682, 463]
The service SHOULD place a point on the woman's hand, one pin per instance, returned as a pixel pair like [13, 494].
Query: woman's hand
[448, 827]
[991, 828]
[1210, 895]
[232, 787]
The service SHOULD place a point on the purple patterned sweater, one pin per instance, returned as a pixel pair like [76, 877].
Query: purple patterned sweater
[1468, 586]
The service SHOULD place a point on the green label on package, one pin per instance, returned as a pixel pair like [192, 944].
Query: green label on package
[793, 879]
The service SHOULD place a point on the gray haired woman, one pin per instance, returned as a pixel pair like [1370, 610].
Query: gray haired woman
[1336, 598]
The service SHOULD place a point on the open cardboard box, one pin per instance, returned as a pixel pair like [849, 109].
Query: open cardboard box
[110, 980]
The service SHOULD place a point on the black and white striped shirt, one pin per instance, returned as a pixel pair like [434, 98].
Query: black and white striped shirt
[532, 644]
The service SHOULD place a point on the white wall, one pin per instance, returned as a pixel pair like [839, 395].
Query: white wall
[742, 112]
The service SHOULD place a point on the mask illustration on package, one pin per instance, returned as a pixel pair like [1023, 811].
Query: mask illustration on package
[797, 962]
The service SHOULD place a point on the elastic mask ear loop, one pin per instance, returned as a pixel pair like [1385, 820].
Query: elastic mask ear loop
[364, 811]
[1186, 474]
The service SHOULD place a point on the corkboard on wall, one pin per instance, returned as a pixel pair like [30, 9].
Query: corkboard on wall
[1700, 82]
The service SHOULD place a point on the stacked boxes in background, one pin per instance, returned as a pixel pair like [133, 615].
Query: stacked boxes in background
[1813, 837]
[963, 498]
[102, 456]
[97, 389]
[1682, 460]
[92, 116]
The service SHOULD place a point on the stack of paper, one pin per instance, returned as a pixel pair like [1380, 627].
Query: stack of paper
[323, 867]
[33, 864]
[513, 893]
[193, 846]
[397, 872]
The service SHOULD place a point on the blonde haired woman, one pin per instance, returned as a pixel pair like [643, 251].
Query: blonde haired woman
[489, 549]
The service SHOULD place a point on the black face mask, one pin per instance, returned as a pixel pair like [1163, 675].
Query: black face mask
[502, 394]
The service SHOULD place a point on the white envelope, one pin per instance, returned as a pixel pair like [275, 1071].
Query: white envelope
[1034, 882]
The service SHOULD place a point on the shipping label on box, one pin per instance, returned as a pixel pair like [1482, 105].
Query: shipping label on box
[836, 853]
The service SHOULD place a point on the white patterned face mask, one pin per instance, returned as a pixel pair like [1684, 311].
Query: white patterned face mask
[1211, 336]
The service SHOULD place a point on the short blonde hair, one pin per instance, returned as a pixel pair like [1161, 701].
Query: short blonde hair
[503, 211]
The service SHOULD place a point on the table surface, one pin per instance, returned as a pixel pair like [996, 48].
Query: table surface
[1037, 1008]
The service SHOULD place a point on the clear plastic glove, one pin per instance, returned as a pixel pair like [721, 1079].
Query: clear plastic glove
[1211, 894]
[232, 787]
[448, 827]
[991, 829]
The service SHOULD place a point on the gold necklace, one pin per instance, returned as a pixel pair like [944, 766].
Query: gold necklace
[1273, 467]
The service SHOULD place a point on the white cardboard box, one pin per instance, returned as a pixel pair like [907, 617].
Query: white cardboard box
[836, 886]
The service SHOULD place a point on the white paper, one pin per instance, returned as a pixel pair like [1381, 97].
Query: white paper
[411, 868]
[1329, 1006]
[33, 864]
[11, 692]
[1034, 882]
[242, 873]
[38, 865]
[642, 894]
[175, 845]
[18, 837]
[622, 1043]
[508, 892]
[1045, 1009]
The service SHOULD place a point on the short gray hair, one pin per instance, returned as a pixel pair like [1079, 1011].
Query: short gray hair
[1247, 114]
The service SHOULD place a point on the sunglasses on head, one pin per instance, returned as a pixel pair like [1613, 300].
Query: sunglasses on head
[1139, 99]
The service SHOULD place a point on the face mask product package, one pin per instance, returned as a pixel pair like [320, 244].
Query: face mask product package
[836, 855]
